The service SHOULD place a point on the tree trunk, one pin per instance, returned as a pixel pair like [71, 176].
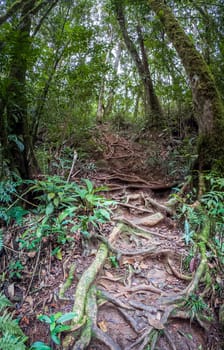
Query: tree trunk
[18, 145]
[110, 99]
[153, 109]
[151, 99]
[207, 102]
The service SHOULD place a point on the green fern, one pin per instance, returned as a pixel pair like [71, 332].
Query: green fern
[11, 335]
[4, 302]
[8, 324]
[10, 342]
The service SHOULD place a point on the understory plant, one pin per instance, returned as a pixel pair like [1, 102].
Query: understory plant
[57, 325]
[64, 209]
[10, 201]
[11, 335]
[205, 211]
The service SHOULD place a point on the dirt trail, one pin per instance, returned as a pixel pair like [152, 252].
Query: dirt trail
[145, 281]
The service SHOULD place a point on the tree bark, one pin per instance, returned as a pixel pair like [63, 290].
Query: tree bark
[153, 109]
[18, 145]
[209, 110]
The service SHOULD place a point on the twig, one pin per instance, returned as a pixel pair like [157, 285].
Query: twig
[34, 271]
[134, 207]
[75, 156]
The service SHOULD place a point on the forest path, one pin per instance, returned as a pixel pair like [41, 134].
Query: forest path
[138, 181]
[143, 272]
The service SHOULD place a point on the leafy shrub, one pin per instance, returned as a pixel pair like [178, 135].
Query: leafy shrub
[211, 207]
[65, 207]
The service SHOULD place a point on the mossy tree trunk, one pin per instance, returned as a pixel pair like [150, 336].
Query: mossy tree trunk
[153, 110]
[209, 110]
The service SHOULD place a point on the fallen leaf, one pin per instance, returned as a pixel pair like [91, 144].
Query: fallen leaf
[108, 274]
[143, 265]
[103, 326]
[127, 260]
[29, 300]
[25, 320]
[31, 254]
[155, 323]
[11, 290]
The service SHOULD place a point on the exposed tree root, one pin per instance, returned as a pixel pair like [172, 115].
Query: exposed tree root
[130, 320]
[83, 286]
[132, 224]
[167, 335]
[106, 339]
[67, 283]
[203, 266]
[141, 288]
[162, 208]
[135, 208]
[120, 252]
[177, 273]
[86, 305]
[91, 330]
[105, 295]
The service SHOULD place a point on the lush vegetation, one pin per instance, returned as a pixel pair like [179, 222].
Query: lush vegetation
[70, 66]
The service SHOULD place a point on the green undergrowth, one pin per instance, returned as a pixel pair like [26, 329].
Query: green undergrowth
[203, 232]
[59, 210]
[11, 336]
[42, 212]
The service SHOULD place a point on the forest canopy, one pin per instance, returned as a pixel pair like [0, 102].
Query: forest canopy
[66, 65]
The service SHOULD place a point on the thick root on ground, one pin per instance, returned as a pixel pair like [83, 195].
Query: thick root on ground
[82, 289]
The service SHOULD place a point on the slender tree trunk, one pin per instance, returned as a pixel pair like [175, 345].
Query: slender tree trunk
[153, 109]
[207, 102]
[135, 114]
[110, 99]
[151, 100]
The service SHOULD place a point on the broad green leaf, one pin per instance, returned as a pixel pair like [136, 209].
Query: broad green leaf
[55, 338]
[52, 326]
[39, 345]
[89, 185]
[66, 317]
[66, 212]
[61, 328]
[105, 213]
[50, 195]
[56, 202]
[44, 318]
[49, 209]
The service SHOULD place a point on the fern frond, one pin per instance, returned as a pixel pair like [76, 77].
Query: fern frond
[7, 324]
[10, 342]
[4, 302]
